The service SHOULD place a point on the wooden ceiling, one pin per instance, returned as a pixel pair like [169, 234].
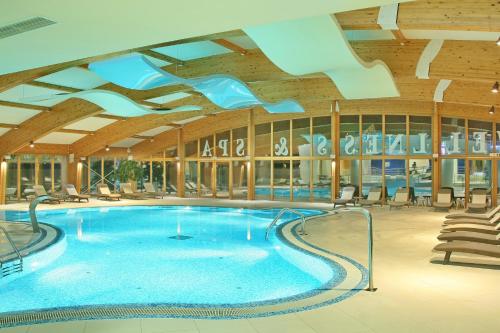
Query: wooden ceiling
[472, 65]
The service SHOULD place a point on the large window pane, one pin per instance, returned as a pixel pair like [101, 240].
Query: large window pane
[158, 175]
[191, 149]
[421, 177]
[171, 173]
[349, 135]
[95, 173]
[240, 142]
[480, 174]
[45, 172]
[395, 135]
[372, 174]
[453, 175]
[420, 135]
[395, 175]
[240, 187]
[322, 180]
[281, 138]
[301, 180]
[263, 140]
[372, 135]
[222, 144]
[349, 173]
[27, 174]
[191, 178]
[207, 146]
[301, 137]
[206, 179]
[452, 136]
[322, 136]
[11, 191]
[263, 180]
[480, 139]
[110, 174]
[60, 172]
[85, 177]
[281, 176]
[222, 178]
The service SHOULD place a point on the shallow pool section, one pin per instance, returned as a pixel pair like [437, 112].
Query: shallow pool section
[175, 255]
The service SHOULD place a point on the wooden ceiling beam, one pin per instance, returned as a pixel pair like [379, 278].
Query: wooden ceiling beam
[45, 149]
[163, 57]
[230, 46]
[25, 106]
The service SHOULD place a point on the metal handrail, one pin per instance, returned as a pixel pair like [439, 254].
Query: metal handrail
[12, 244]
[283, 211]
[369, 219]
[33, 204]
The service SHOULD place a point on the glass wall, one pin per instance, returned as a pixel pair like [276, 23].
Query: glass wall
[395, 175]
[281, 180]
[421, 177]
[205, 179]
[452, 136]
[349, 135]
[240, 186]
[480, 174]
[372, 135]
[395, 135]
[11, 191]
[453, 175]
[27, 174]
[322, 180]
[222, 179]
[263, 180]
[191, 178]
[371, 175]
[45, 172]
[420, 135]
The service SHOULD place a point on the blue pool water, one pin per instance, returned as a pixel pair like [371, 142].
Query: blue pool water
[131, 255]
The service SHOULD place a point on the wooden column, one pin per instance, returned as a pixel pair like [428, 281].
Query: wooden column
[78, 177]
[52, 173]
[19, 177]
[494, 169]
[436, 139]
[180, 163]
[37, 169]
[251, 156]
[335, 135]
[151, 169]
[102, 171]
[3, 182]
[467, 164]
[164, 172]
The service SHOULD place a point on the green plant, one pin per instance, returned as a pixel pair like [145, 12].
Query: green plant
[130, 171]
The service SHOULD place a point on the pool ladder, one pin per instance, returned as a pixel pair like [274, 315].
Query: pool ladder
[12, 266]
[283, 211]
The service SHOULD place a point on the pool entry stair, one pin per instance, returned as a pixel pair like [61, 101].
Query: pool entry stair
[8, 266]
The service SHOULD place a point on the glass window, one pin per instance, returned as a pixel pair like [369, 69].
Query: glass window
[281, 176]
[395, 175]
[301, 137]
[480, 174]
[452, 136]
[420, 135]
[191, 178]
[301, 180]
[11, 192]
[95, 173]
[222, 179]
[349, 135]
[60, 172]
[349, 173]
[372, 135]
[395, 135]
[240, 187]
[240, 142]
[322, 136]
[207, 146]
[85, 177]
[205, 179]
[110, 174]
[222, 142]
[453, 175]
[263, 140]
[480, 139]
[322, 180]
[171, 152]
[158, 175]
[171, 173]
[191, 149]
[45, 172]
[281, 138]
[263, 180]
[372, 174]
[421, 177]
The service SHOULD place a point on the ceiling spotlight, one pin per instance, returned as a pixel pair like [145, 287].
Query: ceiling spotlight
[492, 110]
[494, 89]
[32, 144]
[498, 41]
[107, 148]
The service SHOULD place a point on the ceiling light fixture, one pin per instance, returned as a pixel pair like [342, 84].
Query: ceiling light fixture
[32, 144]
[492, 110]
[495, 87]
[498, 41]
[107, 148]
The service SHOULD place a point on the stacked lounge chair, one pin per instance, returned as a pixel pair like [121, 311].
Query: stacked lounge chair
[477, 216]
[374, 197]
[103, 192]
[401, 198]
[40, 190]
[74, 195]
[444, 199]
[479, 198]
[347, 196]
[471, 235]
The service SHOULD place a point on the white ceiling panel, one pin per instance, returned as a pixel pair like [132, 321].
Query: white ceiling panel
[4, 130]
[30, 95]
[156, 131]
[127, 143]
[195, 50]
[90, 124]
[451, 35]
[188, 120]
[60, 138]
[168, 98]
[75, 77]
[10, 115]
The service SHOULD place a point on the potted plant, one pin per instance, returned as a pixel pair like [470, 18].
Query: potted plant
[130, 172]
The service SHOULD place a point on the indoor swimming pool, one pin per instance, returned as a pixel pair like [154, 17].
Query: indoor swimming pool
[178, 255]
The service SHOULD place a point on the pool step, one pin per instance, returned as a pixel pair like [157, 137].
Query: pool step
[11, 267]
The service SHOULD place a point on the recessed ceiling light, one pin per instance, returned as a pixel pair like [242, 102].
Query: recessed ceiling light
[494, 89]
[32, 144]
[498, 41]
[492, 110]
[107, 148]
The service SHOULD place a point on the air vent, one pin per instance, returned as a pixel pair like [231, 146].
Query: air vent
[24, 26]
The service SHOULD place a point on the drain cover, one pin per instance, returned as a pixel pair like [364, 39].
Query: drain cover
[180, 237]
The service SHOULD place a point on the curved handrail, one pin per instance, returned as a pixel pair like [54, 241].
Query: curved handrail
[283, 211]
[33, 204]
[368, 215]
[12, 244]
